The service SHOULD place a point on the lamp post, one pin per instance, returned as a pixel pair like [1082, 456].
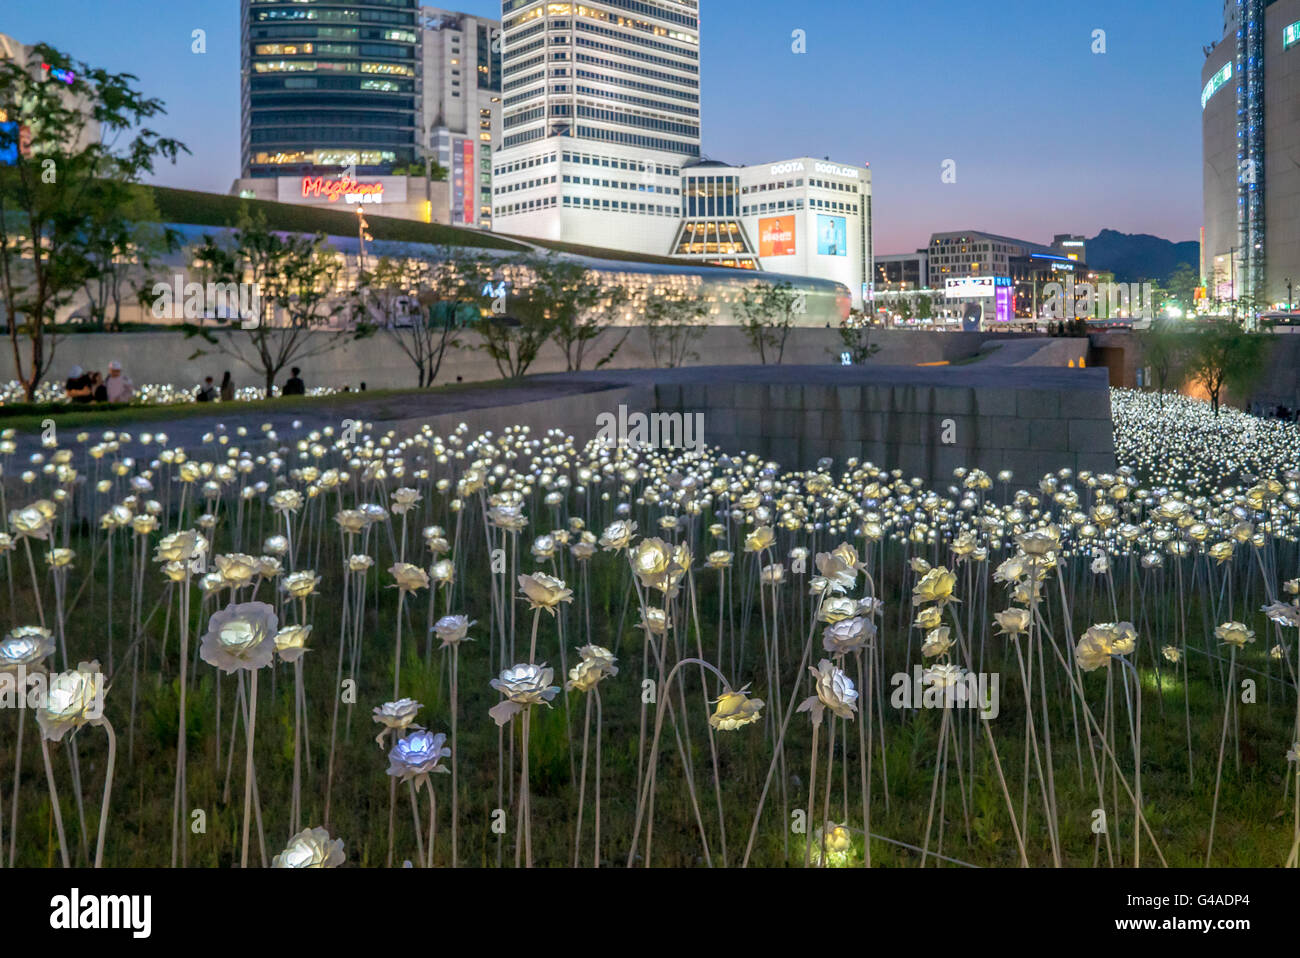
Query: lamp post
[362, 236]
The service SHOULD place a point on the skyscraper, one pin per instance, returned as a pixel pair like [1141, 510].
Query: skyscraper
[462, 106]
[600, 108]
[1250, 84]
[327, 85]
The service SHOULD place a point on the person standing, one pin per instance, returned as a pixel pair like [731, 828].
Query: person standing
[294, 385]
[119, 387]
[227, 388]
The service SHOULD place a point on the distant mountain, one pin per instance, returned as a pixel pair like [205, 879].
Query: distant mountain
[1136, 257]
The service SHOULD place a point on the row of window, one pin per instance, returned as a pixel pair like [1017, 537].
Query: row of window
[331, 83]
[527, 184]
[336, 16]
[833, 205]
[306, 48]
[307, 31]
[587, 159]
[524, 116]
[635, 139]
[524, 206]
[779, 206]
[621, 185]
[639, 41]
[526, 164]
[332, 116]
[263, 101]
[569, 9]
[343, 134]
[629, 118]
[311, 66]
[633, 68]
[635, 54]
[622, 206]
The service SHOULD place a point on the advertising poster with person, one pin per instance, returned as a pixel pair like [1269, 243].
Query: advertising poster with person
[832, 235]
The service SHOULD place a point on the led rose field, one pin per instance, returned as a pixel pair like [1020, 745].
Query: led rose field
[342, 647]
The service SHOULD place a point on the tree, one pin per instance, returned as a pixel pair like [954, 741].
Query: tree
[580, 304]
[123, 243]
[1224, 354]
[58, 181]
[294, 275]
[1166, 347]
[674, 323]
[514, 333]
[767, 313]
[1182, 283]
[855, 336]
[446, 281]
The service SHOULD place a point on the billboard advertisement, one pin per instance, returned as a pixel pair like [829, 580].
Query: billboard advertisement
[832, 235]
[1004, 304]
[776, 236]
[970, 287]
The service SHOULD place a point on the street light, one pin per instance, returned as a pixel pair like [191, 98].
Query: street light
[362, 226]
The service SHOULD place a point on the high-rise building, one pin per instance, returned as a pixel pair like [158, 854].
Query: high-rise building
[461, 115]
[602, 95]
[1250, 84]
[329, 85]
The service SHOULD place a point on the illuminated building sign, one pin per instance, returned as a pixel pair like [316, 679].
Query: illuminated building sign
[467, 157]
[350, 190]
[975, 287]
[66, 76]
[1291, 35]
[1004, 304]
[1216, 81]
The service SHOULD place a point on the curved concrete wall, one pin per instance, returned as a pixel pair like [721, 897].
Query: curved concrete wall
[167, 356]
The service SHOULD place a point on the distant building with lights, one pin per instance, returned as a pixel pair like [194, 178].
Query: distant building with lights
[461, 106]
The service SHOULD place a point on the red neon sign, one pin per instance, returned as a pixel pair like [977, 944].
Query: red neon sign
[318, 186]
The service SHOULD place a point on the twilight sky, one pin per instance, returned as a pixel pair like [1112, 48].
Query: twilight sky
[1047, 136]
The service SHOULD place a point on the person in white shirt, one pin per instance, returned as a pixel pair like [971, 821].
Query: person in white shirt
[120, 388]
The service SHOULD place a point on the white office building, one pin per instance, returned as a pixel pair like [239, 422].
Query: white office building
[600, 110]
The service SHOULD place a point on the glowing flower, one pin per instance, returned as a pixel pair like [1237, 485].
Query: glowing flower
[395, 716]
[522, 685]
[407, 577]
[419, 753]
[291, 642]
[240, 636]
[935, 586]
[1234, 633]
[835, 691]
[735, 709]
[452, 630]
[311, 848]
[25, 647]
[72, 700]
[544, 592]
[847, 635]
[1012, 622]
[595, 664]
